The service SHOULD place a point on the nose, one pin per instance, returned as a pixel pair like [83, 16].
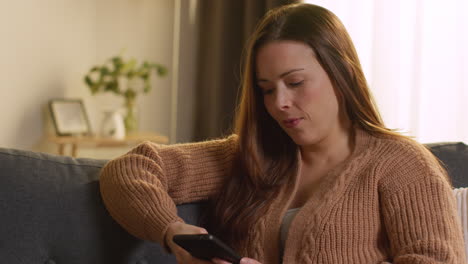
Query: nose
[283, 99]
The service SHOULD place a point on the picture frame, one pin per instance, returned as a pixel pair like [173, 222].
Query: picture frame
[69, 117]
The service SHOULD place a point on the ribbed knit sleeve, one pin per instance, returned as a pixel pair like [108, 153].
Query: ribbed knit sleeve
[419, 209]
[141, 188]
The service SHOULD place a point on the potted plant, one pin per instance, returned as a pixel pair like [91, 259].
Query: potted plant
[126, 78]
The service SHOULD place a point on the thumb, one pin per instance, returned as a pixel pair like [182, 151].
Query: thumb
[203, 231]
[249, 261]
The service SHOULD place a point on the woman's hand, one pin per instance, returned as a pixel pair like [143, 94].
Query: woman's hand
[182, 256]
[243, 261]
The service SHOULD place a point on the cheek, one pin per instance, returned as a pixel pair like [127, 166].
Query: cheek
[308, 97]
[316, 97]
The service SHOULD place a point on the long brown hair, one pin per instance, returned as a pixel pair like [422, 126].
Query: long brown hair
[267, 156]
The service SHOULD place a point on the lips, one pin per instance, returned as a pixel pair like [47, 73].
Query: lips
[292, 122]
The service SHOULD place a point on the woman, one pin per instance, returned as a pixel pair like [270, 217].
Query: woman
[311, 174]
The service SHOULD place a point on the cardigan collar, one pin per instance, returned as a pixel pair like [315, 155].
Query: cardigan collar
[330, 189]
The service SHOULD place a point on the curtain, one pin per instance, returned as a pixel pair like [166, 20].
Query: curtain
[415, 58]
[224, 29]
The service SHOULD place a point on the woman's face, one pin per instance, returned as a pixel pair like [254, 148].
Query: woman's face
[297, 92]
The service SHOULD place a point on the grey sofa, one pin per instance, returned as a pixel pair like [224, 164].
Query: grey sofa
[51, 210]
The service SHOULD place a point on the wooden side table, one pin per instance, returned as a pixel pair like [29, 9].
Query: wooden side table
[96, 141]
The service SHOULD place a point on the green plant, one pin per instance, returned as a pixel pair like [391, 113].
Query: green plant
[116, 72]
[124, 78]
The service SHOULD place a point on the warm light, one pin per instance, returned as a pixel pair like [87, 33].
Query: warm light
[414, 57]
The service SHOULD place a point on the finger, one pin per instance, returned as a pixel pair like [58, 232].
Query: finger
[183, 257]
[220, 261]
[249, 261]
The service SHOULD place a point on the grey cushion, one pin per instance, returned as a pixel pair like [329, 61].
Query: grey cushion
[454, 157]
[51, 212]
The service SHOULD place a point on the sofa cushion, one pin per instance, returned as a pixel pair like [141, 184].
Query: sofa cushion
[52, 212]
[454, 157]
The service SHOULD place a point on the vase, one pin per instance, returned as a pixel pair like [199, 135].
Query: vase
[113, 125]
[131, 115]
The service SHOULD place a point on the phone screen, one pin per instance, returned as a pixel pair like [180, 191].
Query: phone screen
[206, 247]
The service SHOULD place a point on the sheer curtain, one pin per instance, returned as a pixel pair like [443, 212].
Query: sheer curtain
[415, 57]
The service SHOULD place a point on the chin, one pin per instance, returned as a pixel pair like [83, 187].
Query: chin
[307, 137]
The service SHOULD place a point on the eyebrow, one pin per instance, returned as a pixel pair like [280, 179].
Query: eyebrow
[283, 74]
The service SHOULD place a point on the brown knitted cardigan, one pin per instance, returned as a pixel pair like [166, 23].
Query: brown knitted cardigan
[389, 201]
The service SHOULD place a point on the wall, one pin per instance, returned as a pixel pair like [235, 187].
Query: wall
[144, 30]
[47, 46]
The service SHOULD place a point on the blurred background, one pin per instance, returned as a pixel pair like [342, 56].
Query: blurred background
[413, 53]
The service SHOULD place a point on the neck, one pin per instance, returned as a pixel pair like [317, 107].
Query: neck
[332, 150]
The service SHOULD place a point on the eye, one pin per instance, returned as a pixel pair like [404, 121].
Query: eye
[296, 84]
[267, 91]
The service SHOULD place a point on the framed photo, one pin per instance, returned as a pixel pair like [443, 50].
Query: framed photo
[69, 117]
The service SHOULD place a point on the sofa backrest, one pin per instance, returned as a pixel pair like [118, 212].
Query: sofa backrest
[454, 156]
[52, 212]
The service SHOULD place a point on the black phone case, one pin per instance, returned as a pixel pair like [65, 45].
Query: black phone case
[207, 247]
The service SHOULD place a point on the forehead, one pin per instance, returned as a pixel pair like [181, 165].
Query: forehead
[279, 56]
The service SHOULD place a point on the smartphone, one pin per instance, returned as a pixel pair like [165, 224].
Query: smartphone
[206, 247]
